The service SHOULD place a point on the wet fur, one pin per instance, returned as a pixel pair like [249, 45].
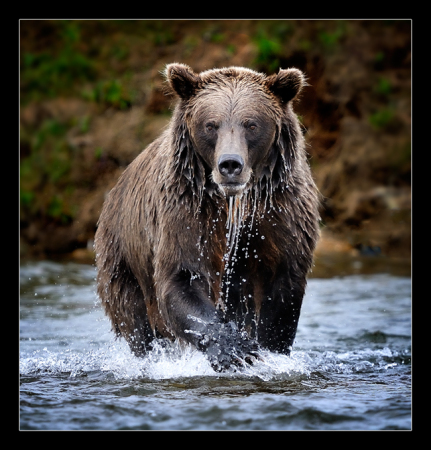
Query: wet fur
[161, 242]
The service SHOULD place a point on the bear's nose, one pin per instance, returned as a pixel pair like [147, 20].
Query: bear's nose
[230, 165]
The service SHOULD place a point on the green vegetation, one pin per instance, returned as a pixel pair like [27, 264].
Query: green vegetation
[329, 39]
[381, 118]
[53, 72]
[45, 76]
[48, 164]
[268, 53]
[109, 93]
[384, 87]
[271, 39]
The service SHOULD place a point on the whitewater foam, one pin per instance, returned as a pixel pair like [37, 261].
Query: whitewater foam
[170, 361]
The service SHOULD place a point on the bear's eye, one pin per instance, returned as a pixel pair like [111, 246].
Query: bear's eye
[251, 126]
[210, 126]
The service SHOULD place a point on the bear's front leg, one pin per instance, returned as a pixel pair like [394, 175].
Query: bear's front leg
[280, 310]
[192, 316]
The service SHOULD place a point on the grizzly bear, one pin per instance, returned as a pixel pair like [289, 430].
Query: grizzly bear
[209, 233]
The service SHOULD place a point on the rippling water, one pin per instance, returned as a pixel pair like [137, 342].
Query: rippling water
[350, 368]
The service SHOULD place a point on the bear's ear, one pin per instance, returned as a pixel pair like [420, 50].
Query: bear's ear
[182, 80]
[286, 84]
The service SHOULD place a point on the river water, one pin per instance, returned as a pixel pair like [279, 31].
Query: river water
[350, 368]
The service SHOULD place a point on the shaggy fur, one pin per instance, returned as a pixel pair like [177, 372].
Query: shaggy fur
[184, 251]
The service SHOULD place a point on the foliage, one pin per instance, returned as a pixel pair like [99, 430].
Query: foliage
[109, 93]
[48, 165]
[384, 86]
[270, 41]
[329, 39]
[381, 118]
[51, 72]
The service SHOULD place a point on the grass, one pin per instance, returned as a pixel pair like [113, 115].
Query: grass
[110, 93]
[384, 86]
[271, 40]
[47, 167]
[54, 72]
[329, 39]
[382, 118]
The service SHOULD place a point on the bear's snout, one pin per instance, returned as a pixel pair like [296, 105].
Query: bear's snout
[232, 176]
[230, 165]
[231, 169]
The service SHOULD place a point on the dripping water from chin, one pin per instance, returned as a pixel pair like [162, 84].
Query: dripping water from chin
[235, 219]
[241, 212]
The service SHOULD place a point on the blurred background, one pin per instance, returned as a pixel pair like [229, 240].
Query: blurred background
[91, 98]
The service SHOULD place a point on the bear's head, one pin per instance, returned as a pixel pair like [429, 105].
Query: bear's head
[239, 122]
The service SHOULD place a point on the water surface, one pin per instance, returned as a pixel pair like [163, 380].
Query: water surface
[350, 368]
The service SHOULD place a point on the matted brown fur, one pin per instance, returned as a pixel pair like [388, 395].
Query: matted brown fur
[166, 267]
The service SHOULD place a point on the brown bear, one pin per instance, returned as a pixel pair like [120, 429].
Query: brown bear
[209, 233]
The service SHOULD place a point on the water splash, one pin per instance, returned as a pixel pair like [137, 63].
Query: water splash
[173, 360]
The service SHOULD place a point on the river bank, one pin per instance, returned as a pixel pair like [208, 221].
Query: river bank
[92, 97]
[334, 256]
